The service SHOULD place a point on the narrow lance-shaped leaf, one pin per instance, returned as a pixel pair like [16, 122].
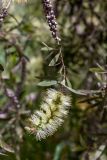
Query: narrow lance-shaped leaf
[6, 147]
[54, 60]
[47, 83]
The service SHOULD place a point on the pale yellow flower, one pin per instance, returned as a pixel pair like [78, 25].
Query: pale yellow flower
[53, 110]
[6, 3]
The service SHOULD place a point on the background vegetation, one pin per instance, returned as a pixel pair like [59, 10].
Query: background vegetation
[26, 50]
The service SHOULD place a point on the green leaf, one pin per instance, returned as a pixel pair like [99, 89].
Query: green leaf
[47, 83]
[46, 49]
[98, 76]
[6, 147]
[82, 141]
[81, 92]
[3, 154]
[54, 60]
[58, 150]
[96, 69]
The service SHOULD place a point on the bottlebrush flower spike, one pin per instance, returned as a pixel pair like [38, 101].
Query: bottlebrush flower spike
[50, 16]
[53, 110]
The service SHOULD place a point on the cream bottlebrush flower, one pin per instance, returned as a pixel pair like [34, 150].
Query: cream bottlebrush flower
[6, 3]
[53, 110]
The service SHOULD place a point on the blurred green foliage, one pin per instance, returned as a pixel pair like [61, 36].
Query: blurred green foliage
[26, 50]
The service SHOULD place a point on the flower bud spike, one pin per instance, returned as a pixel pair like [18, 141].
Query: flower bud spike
[51, 20]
